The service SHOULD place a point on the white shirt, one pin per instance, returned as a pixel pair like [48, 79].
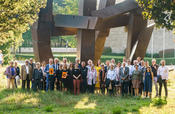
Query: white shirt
[1, 57]
[91, 76]
[111, 74]
[117, 70]
[27, 69]
[163, 72]
[130, 69]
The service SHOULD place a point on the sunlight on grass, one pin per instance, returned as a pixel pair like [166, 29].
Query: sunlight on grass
[83, 104]
[20, 98]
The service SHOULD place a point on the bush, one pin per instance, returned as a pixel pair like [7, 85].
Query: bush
[159, 102]
[107, 50]
[117, 110]
[49, 108]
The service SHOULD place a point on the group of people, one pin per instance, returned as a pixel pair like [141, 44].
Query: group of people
[114, 78]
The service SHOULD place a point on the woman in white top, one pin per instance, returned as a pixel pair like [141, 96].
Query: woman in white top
[91, 78]
[110, 81]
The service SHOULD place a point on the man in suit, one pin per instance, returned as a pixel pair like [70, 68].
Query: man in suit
[26, 74]
[124, 78]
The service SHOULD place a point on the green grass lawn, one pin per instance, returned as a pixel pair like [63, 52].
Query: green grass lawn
[20, 102]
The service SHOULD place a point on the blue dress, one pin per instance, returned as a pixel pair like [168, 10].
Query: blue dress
[148, 82]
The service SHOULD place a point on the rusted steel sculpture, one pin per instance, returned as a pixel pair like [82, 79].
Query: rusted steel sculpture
[92, 27]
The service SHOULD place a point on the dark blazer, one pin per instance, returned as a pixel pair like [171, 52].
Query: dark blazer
[124, 75]
[37, 74]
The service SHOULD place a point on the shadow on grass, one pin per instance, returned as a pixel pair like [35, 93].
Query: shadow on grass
[21, 101]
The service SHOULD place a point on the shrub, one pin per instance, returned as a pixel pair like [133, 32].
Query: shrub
[159, 102]
[49, 108]
[117, 110]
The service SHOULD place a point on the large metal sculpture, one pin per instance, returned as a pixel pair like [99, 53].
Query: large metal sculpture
[92, 27]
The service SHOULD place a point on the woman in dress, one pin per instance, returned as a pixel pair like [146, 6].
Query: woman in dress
[76, 79]
[136, 80]
[148, 82]
[71, 67]
[64, 77]
[97, 85]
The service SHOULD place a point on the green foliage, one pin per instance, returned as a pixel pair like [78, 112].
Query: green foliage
[65, 7]
[159, 102]
[16, 16]
[68, 7]
[49, 108]
[117, 110]
[161, 11]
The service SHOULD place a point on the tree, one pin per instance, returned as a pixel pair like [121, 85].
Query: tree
[16, 17]
[161, 11]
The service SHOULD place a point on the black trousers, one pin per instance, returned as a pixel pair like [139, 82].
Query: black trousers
[51, 82]
[130, 87]
[84, 86]
[102, 87]
[141, 88]
[24, 83]
[43, 84]
[163, 82]
[16, 83]
[124, 86]
[37, 84]
[91, 88]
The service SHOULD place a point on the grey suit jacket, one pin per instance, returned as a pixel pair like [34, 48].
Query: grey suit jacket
[124, 75]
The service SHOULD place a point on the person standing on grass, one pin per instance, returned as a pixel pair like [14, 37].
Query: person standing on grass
[70, 77]
[1, 59]
[110, 79]
[136, 80]
[148, 82]
[154, 68]
[102, 76]
[59, 77]
[130, 76]
[37, 77]
[17, 78]
[43, 66]
[117, 81]
[50, 77]
[32, 64]
[84, 71]
[97, 85]
[124, 78]
[56, 64]
[142, 69]
[76, 79]
[91, 78]
[26, 75]
[65, 77]
[10, 73]
[163, 78]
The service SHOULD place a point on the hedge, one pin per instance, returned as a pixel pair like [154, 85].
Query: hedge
[169, 61]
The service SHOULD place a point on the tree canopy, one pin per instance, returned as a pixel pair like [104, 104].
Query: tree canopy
[16, 17]
[161, 11]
